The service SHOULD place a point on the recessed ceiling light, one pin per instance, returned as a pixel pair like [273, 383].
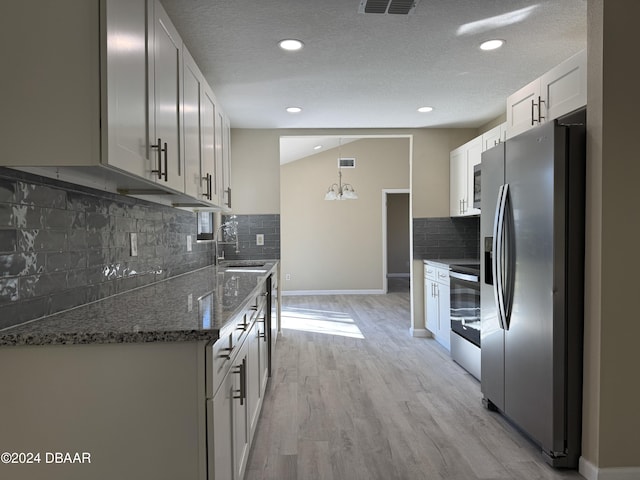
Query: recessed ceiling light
[425, 109]
[317, 147]
[290, 44]
[491, 44]
[294, 109]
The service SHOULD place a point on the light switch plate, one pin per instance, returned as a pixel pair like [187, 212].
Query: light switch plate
[134, 244]
[189, 243]
[260, 239]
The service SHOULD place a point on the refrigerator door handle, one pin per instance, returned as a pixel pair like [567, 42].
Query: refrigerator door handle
[508, 255]
[498, 255]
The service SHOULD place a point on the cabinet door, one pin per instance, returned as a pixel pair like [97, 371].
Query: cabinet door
[491, 138]
[457, 180]
[226, 162]
[431, 307]
[263, 349]
[208, 166]
[219, 128]
[165, 79]
[253, 376]
[240, 413]
[474, 157]
[444, 315]
[191, 115]
[522, 108]
[220, 423]
[126, 87]
[564, 88]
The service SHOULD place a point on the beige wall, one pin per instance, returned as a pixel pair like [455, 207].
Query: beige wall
[611, 423]
[255, 171]
[338, 245]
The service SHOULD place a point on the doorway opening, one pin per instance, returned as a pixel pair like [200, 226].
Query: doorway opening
[396, 214]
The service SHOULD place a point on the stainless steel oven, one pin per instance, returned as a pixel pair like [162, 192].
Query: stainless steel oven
[464, 284]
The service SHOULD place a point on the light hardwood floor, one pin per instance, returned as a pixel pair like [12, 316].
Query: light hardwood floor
[384, 406]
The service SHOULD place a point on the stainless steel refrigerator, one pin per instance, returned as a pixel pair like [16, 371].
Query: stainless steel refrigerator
[532, 276]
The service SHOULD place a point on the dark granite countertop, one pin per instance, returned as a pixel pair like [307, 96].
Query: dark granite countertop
[187, 307]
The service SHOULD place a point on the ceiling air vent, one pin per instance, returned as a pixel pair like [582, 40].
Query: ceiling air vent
[392, 7]
[346, 162]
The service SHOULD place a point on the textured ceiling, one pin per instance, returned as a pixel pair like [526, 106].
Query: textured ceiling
[373, 71]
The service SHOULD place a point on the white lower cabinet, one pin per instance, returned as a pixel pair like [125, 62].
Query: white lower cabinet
[437, 303]
[238, 378]
[240, 412]
[220, 441]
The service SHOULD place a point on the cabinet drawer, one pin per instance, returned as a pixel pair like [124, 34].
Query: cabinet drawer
[437, 274]
[442, 275]
[429, 272]
[219, 358]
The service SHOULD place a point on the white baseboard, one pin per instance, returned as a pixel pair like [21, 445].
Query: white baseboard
[589, 471]
[292, 293]
[419, 332]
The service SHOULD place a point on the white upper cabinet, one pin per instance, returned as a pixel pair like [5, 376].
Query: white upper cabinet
[223, 160]
[564, 87]
[462, 160]
[165, 60]
[561, 90]
[493, 137]
[78, 99]
[209, 168]
[192, 128]
[126, 88]
[457, 180]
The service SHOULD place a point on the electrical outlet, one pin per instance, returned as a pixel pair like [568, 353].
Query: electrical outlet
[134, 244]
[260, 239]
[287, 276]
[189, 243]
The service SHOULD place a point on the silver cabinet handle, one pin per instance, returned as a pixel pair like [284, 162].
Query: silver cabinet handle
[229, 352]
[241, 370]
[207, 179]
[539, 105]
[161, 150]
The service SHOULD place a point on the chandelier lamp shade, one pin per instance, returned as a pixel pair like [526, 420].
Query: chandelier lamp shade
[341, 191]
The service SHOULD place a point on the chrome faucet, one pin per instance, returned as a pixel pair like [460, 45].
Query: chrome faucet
[229, 229]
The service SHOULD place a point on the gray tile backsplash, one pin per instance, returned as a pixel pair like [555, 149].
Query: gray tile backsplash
[248, 227]
[446, 237]
[63, 245]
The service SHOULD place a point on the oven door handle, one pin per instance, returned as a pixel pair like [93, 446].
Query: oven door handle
[467, 277]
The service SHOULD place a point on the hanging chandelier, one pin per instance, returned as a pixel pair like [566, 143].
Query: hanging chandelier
[341, 191]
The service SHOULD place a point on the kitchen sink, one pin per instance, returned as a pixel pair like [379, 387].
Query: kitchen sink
[243, 264]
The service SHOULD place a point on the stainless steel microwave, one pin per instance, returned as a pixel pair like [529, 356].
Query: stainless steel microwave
[476, 186]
